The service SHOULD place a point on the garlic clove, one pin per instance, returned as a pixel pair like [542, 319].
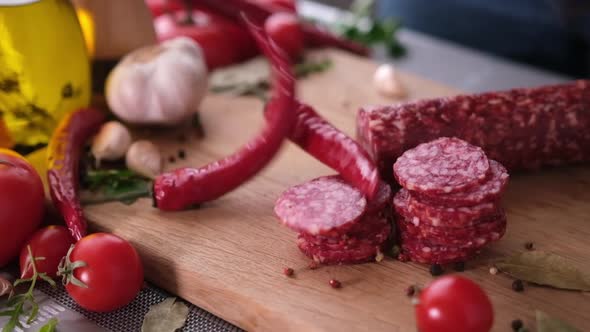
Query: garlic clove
[387, 83]
[111, 142]
[144, 158]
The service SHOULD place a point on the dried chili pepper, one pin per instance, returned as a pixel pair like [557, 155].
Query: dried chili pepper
[334, 148]
[65, 149]
[258, 12]
[185, 187]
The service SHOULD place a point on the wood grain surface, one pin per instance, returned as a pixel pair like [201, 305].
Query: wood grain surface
[228, 256]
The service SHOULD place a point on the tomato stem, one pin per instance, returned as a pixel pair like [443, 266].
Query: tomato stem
[66, 269]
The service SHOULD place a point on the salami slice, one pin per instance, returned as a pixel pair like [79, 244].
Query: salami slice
[475, 236]
[321, 205]
[420, 213]
[443, 166]
[489, 191]
[347, 251]
[381, 199]
[430, 254]
[374, 230]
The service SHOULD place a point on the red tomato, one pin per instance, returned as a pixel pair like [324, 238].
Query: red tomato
[52, 243]
[223, 41]
[21, 204]
[113, 273]
[454, 304]
[285, 30]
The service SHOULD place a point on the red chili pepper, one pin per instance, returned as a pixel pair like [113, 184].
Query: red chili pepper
[65, 149]
[334, 148]
[258, 12]
[189, 186]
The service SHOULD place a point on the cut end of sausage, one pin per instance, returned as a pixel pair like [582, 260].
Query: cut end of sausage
[320, 206]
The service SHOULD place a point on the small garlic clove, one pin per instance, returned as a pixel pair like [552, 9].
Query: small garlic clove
[144, 158]
[387, 82]
[111, 142]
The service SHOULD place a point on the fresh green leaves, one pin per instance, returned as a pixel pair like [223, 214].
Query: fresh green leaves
[545, 269]
[252, 77]
[50, 326]
[111, 185]
[363, 29]
[551, 324]
[166, 316]
[25, 303]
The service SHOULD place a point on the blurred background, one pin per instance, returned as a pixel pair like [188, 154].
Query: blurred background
[548, 34]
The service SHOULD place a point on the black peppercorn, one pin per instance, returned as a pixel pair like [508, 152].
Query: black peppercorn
[436, 270]
[181, 154]
[516, 325]
[459, 266]
[517, 285]
[529, 246]
[410, 291]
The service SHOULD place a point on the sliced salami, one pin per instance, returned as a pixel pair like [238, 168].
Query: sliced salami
[489, 191]
[419, 213]
[443, 166]
[320, 206]
[475, 236]
[374, 230]
[350, 251]
[429, 254]
[381, 199]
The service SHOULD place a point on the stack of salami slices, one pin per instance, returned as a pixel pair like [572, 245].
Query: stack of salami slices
[335, 222]
[448, 209]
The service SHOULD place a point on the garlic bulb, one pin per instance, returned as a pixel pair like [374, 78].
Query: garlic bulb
[161, 84]
[111, 142]
[387, 83]
[145, 159]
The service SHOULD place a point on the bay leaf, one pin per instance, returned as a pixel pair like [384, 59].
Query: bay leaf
[5, 287]
[545, 323]
[547, 269]
[247, 74]
[166, 316]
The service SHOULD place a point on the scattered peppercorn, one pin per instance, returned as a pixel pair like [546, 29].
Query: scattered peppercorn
[459, 266]
[493, 270]
[288, 271]
[529, 246]
[436, 270]
[410, 291]
[335, 283]
[181, 154]
[516, 325]
[172, 159]
[517, 285]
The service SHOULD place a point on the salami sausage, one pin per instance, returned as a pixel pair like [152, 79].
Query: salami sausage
[520, 128]
[323, 205]
[419, 213]
[424, 253]
[443, 166]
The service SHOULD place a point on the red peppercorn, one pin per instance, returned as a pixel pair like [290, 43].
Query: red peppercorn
[288, 271]
[335, 283]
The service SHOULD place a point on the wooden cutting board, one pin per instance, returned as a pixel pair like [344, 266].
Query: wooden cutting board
[228, 256]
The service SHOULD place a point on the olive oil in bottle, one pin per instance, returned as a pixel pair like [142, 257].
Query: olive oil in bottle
[44, 69]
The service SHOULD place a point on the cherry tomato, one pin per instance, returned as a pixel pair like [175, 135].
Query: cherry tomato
[110, 276]
[454, 304]
[285, 30]
[224, 42]
[51, 243]
[21, 204]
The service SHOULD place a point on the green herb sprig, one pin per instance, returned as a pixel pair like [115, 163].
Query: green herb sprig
[19, 304]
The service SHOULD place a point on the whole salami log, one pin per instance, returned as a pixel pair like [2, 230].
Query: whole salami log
[520, 128]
